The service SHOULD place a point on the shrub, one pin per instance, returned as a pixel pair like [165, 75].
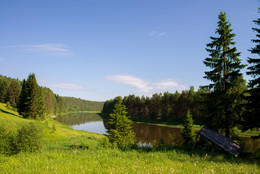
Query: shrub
[8, 105]
[29, 138]
[6, 141]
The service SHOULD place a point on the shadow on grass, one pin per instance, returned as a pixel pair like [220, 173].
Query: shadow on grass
[6, 112]
[184, 153]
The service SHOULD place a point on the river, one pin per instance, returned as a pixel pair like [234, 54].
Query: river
[145, 133]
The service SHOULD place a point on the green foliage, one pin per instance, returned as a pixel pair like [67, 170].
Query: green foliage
[29, 138]
[13, 92]
[120, 127]
[9, 90]
[31, 104]
[4, 85]
[17, 94]
[81, 152]
[54, 104]
[226, 92]
[6, 140]
[160, 107]
[252, 115]
[53, 128]
[8, 105]
[73, 104]
[188, 130]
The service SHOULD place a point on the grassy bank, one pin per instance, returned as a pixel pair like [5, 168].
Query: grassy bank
[13, 121]
[71, 151]
[100, 160]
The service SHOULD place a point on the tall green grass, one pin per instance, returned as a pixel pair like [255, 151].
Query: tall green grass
[101, 160]
[69, 151]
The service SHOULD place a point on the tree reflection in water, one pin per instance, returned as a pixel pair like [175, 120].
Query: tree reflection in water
[146, 134]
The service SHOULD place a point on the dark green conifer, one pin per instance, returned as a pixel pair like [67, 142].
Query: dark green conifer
[31, 104]
[120, 127]
[188, 131]
[227, 81]
[252, 115]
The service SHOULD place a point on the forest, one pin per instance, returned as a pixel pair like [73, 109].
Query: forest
[10, 90]
[226, 102]
[167, 106]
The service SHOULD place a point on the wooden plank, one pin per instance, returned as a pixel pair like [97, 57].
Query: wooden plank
[220, 140]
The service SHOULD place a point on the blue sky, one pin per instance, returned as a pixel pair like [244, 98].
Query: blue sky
[99, 49]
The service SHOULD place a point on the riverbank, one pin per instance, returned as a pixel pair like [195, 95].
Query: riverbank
[71, 151]
[178, 123]
[92, 112]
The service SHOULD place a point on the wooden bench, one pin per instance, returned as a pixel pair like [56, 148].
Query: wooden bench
[219, 140]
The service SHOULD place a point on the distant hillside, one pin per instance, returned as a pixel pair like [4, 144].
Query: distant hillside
[76, 104]
[10, 89]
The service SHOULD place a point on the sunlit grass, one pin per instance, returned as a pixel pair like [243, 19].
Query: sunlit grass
[72, 151]
[100, 160]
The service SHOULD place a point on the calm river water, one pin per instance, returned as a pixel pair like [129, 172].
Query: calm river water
[145, 133]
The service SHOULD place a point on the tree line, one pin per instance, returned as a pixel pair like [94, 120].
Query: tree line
[76, 104]
[167, 106]
[21, 94]
[224, 103]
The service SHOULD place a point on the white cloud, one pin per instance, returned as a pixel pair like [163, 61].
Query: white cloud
[156, 34]
[54, 49]
[140, 84]
[170, 84]
[145, 86]
[67, 86]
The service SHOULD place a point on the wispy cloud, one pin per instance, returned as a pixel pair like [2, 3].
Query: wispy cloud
[145, 86]
[53, 49]
[67, 86]
[156, 34]
[169, 84]
[140, 84]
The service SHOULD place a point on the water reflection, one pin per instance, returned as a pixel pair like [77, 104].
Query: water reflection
[90, 122]
[78, 118]
[145, 133]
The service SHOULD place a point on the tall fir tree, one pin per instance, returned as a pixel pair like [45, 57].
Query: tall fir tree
[252, 115]
[120, 127]
[31, 104]
[225, 89]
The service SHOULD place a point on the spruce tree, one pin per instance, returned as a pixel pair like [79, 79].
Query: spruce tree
[120, 127]
[21, 106]
[30, 102]
[227, 81]
[252, 115]
[188, 131]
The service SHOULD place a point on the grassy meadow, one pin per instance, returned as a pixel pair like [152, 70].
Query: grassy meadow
[71, 151]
